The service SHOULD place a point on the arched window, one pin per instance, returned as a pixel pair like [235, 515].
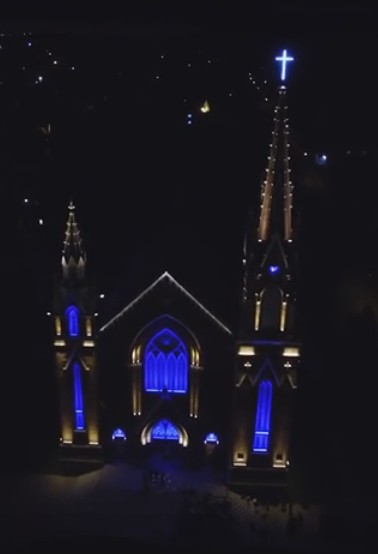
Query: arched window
[271, 308]
[211, 438]
[118, 434]
[166, 363]
[263, 413]
[165, 430]
[72, 315]
[78, 398]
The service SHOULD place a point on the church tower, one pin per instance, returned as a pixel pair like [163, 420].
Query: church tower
[75, 351]
[267, 353]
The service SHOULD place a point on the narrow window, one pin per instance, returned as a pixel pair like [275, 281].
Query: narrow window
[72, 315]
[262, 422]
[78, 398]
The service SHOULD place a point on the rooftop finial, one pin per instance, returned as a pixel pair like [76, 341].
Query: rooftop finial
[284, 59]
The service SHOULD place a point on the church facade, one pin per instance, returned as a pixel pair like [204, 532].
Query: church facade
[165, 377]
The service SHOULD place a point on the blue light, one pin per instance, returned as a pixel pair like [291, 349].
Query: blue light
[273, 269]
[72, 315]
[165, 430]
[166, 364]
[118, 434]
[263, 413]
[211, 438]
[321, 159]
[284, 59]
[78, 398]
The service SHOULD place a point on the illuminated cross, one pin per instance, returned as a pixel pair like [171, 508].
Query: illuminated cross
[284, 59]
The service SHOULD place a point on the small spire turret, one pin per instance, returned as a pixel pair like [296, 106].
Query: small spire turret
[73, 254]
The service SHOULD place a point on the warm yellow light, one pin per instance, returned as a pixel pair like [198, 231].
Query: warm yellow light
[88, 343]
[88, 326]
[246, 351]
[239, 459]
[283, 316]
[59, 342]
[205, 108]
[291, 351]
[58, 325]
[67, 434]
[257, 314]
[93, 435]
[133, 356]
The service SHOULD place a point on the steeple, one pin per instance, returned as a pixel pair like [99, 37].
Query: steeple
[268, 255]
[268, 354]
[73, 254]
[277, 189]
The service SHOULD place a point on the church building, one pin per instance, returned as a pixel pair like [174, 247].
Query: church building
[164, 376]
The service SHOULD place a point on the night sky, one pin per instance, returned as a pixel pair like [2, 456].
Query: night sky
[99, 113]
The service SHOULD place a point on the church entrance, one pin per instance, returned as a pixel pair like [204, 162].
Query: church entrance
[165, 442]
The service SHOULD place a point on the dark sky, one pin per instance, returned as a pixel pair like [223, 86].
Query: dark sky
[154, 193]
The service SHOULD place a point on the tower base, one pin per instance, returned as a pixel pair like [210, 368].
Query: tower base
[263, 484]
[78, 459]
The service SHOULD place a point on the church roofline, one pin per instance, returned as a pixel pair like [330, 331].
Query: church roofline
[182, 289]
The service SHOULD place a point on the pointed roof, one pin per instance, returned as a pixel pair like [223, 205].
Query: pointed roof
[275, 254]
[73, 254]
[165, 277]
[277, 189]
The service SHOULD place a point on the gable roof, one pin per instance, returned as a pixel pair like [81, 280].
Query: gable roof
[165, 277]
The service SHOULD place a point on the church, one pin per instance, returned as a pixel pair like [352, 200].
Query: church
[163, 376]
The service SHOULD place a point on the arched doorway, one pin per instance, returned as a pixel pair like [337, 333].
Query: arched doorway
[165, 444]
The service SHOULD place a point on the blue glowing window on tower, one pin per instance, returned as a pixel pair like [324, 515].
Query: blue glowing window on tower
[78, 398]
[274, 269]
[164, 430]
[263, 412]
[166, 364]
[118, 434]
[72, 314]
[211, 438]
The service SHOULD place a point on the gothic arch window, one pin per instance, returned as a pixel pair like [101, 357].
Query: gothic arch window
[78, 398]
[263, 416]
[72, 315]
[118, 434]
[166, 363]
[271, 308]
[165, 430]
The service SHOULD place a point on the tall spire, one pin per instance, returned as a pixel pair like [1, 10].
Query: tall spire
[277, 189]
[73, 254]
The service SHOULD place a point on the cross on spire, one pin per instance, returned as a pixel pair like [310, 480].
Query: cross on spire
[284, 59]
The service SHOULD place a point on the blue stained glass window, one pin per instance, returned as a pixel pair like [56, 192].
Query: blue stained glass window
[211, 438]
[165, 430]
[263, 413]
[118, 434]
[78, 398]
[72, 314]
[166, 363]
